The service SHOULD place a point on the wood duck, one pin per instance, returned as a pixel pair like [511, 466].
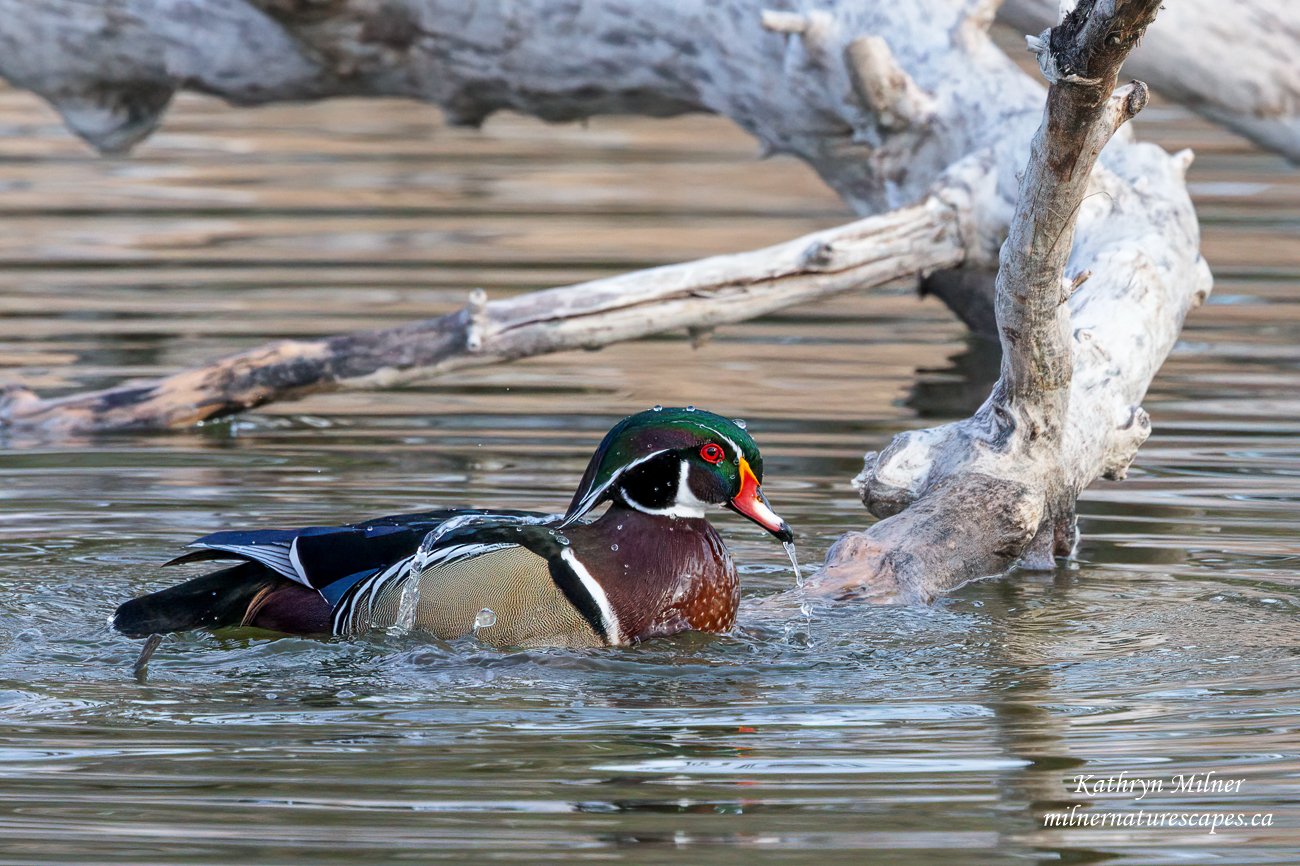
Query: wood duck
[650, 565]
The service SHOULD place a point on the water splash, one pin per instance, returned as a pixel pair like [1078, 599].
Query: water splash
[805, 608]
[789, 551]
[431, 541]
[407, 605]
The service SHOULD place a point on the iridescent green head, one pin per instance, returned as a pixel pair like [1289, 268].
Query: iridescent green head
[676, 463]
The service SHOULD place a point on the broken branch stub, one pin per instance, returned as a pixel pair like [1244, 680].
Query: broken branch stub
[1257, 94]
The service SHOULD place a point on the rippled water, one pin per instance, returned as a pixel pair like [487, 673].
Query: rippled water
[940, 734]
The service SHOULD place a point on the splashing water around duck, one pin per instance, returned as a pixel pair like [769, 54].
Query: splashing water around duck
[407, 605]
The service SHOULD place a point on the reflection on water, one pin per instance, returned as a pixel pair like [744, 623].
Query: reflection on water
[811, 735]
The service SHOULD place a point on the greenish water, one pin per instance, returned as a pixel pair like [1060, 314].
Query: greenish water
[835, 734]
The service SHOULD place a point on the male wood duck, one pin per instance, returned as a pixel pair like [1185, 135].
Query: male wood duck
[650, 565]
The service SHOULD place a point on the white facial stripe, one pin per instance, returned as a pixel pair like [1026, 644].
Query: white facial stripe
[671, 511]
[594, 496]
[685, 503]
[608, 619]
[734, 447]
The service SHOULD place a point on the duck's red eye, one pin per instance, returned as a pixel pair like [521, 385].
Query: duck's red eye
[712, 453]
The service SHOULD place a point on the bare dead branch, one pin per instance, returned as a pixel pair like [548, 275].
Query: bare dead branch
[1257, 94]
[696, 296]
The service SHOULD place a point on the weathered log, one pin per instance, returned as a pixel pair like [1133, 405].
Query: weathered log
[1257, 93]
[696, 295]
[1080, 325]
[840, 94]
[889, 102]
[110, 68]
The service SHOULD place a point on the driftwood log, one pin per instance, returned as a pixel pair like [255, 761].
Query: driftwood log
[894, 104]
[974, 498]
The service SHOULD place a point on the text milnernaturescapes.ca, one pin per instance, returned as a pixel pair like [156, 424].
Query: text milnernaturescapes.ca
[1137, 788]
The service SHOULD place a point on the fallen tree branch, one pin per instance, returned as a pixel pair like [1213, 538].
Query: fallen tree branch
[1083, 327]
[811, 83]
[695, 295]
[1257, 94]
[885, 100]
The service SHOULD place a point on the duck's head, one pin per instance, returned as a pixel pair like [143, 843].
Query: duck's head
[677, 463]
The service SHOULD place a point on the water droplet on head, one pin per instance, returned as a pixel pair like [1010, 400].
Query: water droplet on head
[613, 547]
[657, 408]
[740, 422]
[619, 527]
[690, 408]
[562, 539]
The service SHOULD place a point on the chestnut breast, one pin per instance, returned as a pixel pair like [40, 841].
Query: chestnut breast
[662, 575]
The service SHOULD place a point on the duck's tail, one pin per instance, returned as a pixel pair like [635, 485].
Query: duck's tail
[221, 598]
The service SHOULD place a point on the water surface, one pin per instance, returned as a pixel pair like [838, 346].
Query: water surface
[828, 735]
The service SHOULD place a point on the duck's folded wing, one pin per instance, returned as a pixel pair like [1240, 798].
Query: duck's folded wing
[511, 585]
[317, 556]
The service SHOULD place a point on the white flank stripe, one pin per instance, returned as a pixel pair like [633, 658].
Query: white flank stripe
[613, 632]
[586, 504]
